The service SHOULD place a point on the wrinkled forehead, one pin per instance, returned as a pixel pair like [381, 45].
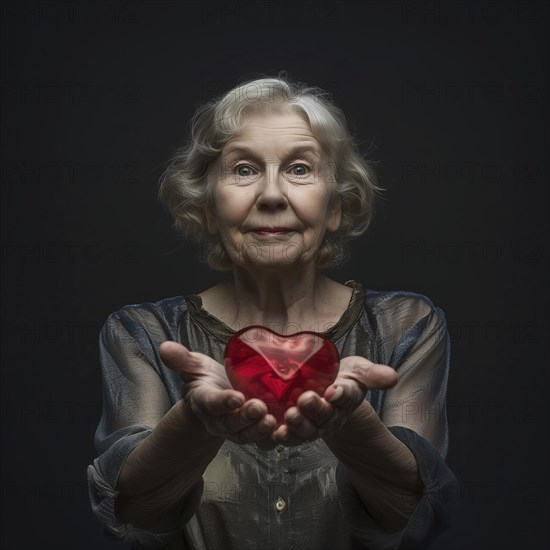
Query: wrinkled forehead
[282, 124]
[274, 106]
[280, 131]
[277, 114]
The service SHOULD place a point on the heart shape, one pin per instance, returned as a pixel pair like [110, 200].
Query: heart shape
[277, 369]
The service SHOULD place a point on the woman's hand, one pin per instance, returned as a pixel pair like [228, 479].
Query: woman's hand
[316, 416]
[209, 395]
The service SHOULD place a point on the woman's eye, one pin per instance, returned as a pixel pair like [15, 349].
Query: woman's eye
[299, 170]
[244, 170]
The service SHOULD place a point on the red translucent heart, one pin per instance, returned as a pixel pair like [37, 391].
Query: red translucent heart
[277, 369]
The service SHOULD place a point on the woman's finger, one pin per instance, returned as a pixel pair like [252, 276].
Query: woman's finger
[315, 408]
[299, 424]
[260, 430]
[174, 355]
[251, 413]
[284, 436]
[371, 376]
[180, 359]
[345, 393]
[214, 402]
[193, 366]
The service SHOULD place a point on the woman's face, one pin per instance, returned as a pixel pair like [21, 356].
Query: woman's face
[270, 193]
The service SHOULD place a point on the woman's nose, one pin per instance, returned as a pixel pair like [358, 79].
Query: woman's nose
[271, 190]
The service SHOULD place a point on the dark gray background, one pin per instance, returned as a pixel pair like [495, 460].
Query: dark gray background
[95, 99]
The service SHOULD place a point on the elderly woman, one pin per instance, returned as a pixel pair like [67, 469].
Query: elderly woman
[272, 183]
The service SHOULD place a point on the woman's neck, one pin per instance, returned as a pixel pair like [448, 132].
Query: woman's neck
[299, 300]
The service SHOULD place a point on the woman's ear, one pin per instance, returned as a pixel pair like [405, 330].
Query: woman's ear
[334, 215]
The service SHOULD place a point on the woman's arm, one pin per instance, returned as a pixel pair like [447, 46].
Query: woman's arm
[381, 453]
[146, 481]
[164, 468]
[135, 401]
[161, 472]
[382, 469]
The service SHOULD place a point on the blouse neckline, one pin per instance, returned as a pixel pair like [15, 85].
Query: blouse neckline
[217, 328]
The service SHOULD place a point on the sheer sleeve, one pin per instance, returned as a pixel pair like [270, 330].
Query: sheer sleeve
[413, 334]
[421, 357]
[134, 400]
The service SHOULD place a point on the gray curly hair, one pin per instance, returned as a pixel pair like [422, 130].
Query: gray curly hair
[184, 188]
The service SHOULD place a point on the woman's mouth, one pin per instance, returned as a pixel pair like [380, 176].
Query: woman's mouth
[271, 230]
